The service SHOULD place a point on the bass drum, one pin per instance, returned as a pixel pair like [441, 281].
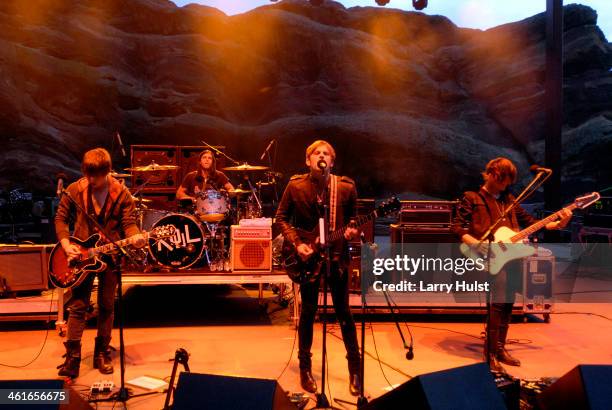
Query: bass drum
[184, 248]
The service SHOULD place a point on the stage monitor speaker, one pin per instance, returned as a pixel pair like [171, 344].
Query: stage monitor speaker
[209, 391]
[251, 248]
[469, 387]
[75, 401]
[23, 267]
[143, 155]
[585, 387]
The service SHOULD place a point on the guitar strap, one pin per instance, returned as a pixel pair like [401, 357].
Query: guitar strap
[333, 201]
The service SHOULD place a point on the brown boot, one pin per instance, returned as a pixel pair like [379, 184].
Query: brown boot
[70, 367]
[307, 381]
[354, 384]
[102, 355]
[502, 354]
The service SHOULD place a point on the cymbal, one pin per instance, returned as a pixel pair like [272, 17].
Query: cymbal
[240, 191]
[246, 168]
[142, 200]
[152, 167]
[120, 175]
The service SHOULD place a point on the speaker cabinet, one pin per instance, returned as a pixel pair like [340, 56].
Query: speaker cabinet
[251, 248]
[143, 155]
[469, 387]
[23, 267]
[421, 234]
[209, 391]
[585, 387]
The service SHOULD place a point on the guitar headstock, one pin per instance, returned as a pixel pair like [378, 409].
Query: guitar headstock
[587, 200]
[163, 231]
[392, 204]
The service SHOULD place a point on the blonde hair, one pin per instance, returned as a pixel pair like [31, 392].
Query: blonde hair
[96, 162]
[312, 147]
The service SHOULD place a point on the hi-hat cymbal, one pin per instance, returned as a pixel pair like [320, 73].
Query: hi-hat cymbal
[246, 168]
[240, 191]
[152, 167]
[120, 175]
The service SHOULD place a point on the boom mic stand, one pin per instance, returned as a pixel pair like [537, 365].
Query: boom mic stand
[322, 401]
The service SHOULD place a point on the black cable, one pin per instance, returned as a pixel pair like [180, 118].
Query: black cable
[378, 356]
[292, 346]
[395, 369]
[44, 341]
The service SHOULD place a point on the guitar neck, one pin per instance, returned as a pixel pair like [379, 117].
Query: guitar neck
[109, 247]
[359, 221]
[540, 224]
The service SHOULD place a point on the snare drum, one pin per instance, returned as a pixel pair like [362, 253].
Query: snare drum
[212, 206]
[184, 248]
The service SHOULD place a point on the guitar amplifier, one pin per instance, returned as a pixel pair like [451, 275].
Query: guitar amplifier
[162, 155]
[421, 234]
[251, 248]
[23, 267]
[428, 213]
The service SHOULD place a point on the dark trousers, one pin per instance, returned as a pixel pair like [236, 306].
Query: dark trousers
[77, 309]
[503, 293]
[338, 288]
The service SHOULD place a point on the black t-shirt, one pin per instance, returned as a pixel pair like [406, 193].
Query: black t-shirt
[192, 181]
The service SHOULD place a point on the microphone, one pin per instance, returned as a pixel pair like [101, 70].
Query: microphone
[267, 149]
[60, 183]
[536, 168]
[120, 144]
[322, 165]
[410, 353]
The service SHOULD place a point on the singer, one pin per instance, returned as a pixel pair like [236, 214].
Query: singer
[205, 177]
[477, 211]
[301, 207]
[111, 204]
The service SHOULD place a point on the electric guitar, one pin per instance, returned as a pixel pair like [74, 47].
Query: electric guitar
[509, 245]
[301, 271]
[64, 274]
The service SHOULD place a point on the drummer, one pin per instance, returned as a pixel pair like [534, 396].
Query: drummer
[205, 177]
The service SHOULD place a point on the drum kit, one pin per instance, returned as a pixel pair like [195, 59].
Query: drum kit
[202, 225]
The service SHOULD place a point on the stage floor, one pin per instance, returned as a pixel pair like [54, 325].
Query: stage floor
[226, 331]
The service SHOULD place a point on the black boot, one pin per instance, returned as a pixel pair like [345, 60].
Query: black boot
[70, 367]
[102, 355]
[502, 354]
[307, 381]
[491, 346]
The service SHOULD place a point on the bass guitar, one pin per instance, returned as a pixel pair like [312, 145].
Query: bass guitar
[509, 244]
[304, 271]
[64, 274]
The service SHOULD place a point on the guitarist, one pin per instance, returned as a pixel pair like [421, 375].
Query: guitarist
[110, 203]
[476, 212]
[301, 207]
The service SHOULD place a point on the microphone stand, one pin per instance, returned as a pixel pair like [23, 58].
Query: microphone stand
[220, 152]
[322, 401]
[490, 237]
[123, 394]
